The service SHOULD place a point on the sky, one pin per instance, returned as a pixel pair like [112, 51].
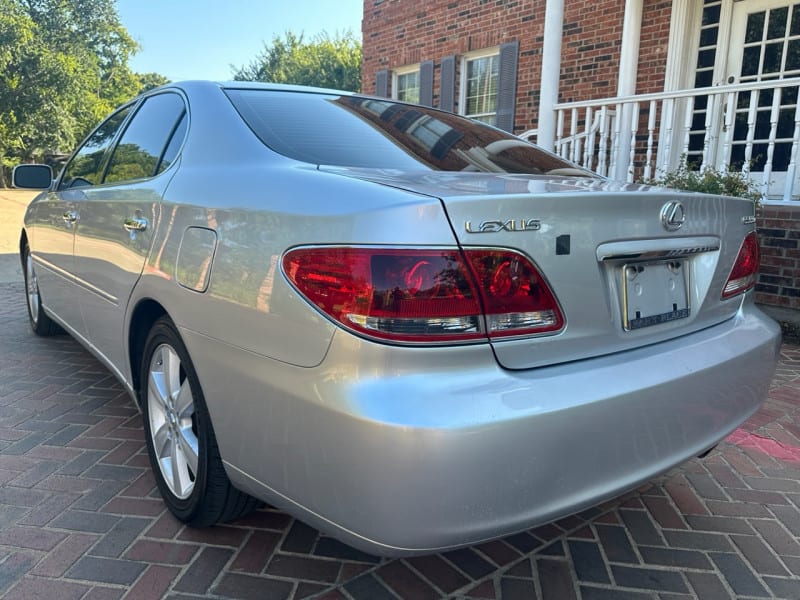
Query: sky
[201, 39]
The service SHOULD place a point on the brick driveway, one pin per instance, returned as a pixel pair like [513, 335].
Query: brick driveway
[80, 516]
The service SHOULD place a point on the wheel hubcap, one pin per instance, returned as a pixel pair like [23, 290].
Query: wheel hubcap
[170, 410]
[32, 288]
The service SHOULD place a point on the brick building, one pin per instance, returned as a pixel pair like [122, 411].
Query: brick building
[627, 88]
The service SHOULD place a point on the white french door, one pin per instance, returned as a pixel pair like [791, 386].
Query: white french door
[764, 46]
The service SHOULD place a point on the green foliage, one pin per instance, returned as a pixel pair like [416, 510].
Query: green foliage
[63, 67]
[325, 61]
[148, 81]
[731, 182]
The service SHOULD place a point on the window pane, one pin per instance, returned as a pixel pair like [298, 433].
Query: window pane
[699, 121]
[408, 87]
[785, 123]
[740, 127]
[708, 37]
[711, 15]
[777, 23]
[755, 28]
[773, 53]
[781, 156]
[750, 60]
[86, 167]
[743, 101]
[705, 58]
[696, 141]
[482, 75]
[795, 28]
[143, 141]
[759, 157]
[737, 156]
[704, 79]
[793, 55]
[763, 125]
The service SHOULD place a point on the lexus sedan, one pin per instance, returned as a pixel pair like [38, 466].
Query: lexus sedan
[411, 330]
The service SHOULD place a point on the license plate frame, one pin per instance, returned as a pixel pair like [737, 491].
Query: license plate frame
[654, 293]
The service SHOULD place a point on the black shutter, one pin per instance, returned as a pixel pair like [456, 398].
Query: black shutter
[426, 83]
[382, 83]
[447, 93]
[507, 85]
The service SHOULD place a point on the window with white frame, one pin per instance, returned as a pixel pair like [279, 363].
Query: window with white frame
[480, 72]
[405, 84]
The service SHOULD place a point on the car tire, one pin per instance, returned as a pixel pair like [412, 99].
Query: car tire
[40, 322]
[180, 437]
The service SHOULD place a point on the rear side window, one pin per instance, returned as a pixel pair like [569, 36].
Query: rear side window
[86, 167]
[354, 131]
[145, 140]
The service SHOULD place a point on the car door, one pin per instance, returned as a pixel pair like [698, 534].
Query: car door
[118, 217]
[52, 222]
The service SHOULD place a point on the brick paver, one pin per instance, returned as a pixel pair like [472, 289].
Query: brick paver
[80, 516]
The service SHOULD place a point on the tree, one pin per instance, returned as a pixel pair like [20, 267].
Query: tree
[148, 81]
[325, 61]
[91, 32]
[63, 67]
[34, 88]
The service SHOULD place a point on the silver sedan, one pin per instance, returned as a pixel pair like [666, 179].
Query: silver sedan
[411, 330]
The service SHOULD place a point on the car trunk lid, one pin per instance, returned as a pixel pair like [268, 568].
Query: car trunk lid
[629, 265]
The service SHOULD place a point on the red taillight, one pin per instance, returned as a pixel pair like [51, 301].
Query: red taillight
[425, 295]
[745, 269]
[516, 298]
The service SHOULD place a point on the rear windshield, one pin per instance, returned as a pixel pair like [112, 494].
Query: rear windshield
[353, 131]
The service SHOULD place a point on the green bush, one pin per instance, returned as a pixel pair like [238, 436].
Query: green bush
[710, 181]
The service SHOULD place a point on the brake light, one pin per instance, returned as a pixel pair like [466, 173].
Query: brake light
[745, 269]
[417, 296]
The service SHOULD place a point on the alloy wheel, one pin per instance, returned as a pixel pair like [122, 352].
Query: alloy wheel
[32, 285]
[171, 414]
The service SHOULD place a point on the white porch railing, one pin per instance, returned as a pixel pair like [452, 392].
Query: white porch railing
[645, 136]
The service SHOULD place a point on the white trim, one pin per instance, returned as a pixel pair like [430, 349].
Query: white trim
[681, 68]
[721, 67]
[685, 19]
[462, 83]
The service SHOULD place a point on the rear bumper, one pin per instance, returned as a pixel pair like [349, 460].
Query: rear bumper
[403, 451]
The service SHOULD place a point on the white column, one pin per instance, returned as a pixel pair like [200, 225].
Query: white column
[626, 85]
[551, 73]
[684, 25]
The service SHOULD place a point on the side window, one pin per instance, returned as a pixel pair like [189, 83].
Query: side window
[86, 167]
[145, 139]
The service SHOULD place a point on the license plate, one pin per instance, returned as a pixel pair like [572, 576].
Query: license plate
[653, 293]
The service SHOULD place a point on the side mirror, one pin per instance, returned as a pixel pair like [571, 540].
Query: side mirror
[32, 177]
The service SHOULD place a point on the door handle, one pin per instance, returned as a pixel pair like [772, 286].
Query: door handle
[70, 217]
[135, 224]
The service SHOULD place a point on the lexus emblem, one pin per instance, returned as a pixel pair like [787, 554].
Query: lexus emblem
[673, 215]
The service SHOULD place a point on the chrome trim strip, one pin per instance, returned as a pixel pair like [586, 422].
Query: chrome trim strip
[657, 248]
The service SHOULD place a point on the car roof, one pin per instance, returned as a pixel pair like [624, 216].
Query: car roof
[252, 85]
